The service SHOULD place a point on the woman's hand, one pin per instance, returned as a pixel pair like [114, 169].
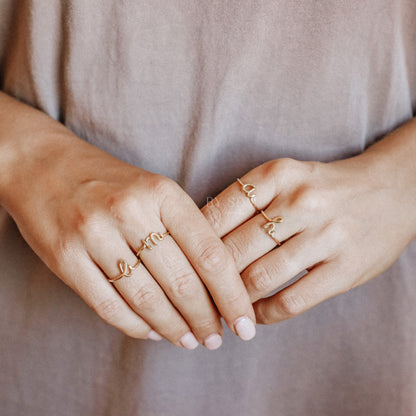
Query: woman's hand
[344, 222]
[86, 214]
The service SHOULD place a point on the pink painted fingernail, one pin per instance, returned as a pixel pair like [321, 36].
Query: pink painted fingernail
[189, 341]
[213, 341]
[154, 336]
[245, 328]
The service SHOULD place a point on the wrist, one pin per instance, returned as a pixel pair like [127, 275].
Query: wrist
[390, 164]
[27, 137]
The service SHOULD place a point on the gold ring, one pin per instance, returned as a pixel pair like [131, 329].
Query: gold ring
[249, 189]
[125, 269]
[270, 226]
[151, 240]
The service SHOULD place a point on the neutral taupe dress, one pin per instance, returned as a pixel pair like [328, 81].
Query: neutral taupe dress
[203, 91]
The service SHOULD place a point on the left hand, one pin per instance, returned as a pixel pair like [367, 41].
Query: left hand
[344, 222]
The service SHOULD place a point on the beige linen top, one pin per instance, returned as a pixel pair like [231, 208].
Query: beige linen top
[203, 91]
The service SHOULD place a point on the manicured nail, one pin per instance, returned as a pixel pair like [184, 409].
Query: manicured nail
[213, 342]
[154, 336]
[189, 341]
[245, 328]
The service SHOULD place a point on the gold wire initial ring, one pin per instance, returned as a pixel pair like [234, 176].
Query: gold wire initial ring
[151, 240]
[125, 269]
[249, 190]
[270, 226]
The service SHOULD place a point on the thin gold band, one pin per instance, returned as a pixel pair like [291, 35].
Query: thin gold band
[149, 242]
[249, 189]
[125, 269]
[270, 226]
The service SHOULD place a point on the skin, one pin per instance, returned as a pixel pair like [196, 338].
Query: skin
[345, 222]
[83, 210]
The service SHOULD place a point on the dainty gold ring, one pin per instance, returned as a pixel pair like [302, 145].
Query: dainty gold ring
[249, 190]
[270, 226]
[150, 241]
[125, 269]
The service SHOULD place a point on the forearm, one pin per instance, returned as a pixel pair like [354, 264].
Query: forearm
[28, 138]
[392, 163]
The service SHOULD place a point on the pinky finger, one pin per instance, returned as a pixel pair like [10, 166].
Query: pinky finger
[94, 288]
[315, 287]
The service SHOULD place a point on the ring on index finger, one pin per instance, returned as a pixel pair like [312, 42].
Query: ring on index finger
[249, 190]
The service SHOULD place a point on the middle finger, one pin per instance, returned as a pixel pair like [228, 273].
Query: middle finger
[170, 267]
[252, 239]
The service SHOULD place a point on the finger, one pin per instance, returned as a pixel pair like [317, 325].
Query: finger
[140, 290]
[233, 206]
[283, 264]
[212, 261]
[252, 240]
[149, 301]
[93, 287]
[320, 284]
[169, 266]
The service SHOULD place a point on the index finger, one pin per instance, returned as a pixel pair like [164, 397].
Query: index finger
[241, 200]
[211, 260]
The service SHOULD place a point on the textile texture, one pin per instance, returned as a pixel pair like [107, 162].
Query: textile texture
[202, 92]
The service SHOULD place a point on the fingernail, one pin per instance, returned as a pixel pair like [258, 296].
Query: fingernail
[154, 336]
[189, 341]
[245, 328]
[213, 342]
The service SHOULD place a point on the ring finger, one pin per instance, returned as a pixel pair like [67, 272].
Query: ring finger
[141, 291]
[166, 261]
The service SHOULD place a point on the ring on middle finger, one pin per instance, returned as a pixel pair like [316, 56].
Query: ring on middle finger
[270, 226]
[151, 241]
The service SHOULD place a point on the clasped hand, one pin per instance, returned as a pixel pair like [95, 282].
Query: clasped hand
[86, 214]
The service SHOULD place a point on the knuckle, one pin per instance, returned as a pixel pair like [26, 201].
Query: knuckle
[234, 248]
[211, 256]
[122, 204]
[260, 279]
[87, 223]
[287, 164]
[338, 233]
[308, 199]
[281, 166]
[206, 326]
[108, 310]
[236, 299]
[286, 266]
[64, 253]
[145, 299]
[183, 286]
[163, 187]
[213, 214]
[282, 171]
[292, 305]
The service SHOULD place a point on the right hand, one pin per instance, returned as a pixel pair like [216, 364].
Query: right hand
[83, 210]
